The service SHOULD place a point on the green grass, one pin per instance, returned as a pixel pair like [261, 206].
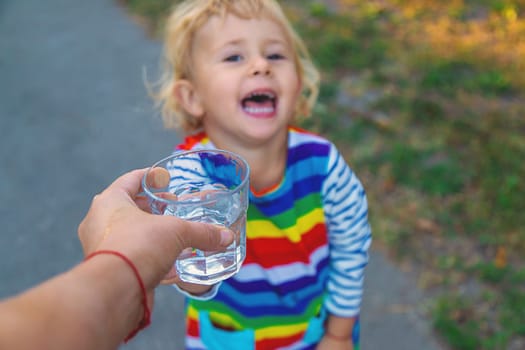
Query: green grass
[449, 77]
[442, 140]
[452, 318]
[425, 169]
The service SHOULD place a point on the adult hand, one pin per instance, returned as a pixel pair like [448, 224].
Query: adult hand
[117, 220]
[97, 314]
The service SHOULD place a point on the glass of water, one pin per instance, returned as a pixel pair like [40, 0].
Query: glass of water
[209, 186]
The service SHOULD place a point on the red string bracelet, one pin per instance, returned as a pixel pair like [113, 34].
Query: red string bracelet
[146, 320]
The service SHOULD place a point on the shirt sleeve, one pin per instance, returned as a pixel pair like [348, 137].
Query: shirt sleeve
[349, 235]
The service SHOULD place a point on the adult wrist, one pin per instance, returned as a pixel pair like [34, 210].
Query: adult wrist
[146, 318]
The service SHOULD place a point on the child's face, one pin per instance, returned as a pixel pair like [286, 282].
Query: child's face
[245, 80]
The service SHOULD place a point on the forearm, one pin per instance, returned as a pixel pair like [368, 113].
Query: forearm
[339, 327]
[194, 289]
[338, 334]
[93, 306]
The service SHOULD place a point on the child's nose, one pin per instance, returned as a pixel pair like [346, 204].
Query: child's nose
[261, 66]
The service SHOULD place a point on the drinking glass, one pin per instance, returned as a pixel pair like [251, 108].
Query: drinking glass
[207, 185]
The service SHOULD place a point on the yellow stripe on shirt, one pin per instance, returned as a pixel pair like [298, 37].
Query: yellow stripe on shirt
[266, 229]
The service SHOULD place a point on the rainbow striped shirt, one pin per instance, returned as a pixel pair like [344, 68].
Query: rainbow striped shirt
[307, 247]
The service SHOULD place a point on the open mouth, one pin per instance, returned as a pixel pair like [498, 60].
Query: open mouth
[259, 103]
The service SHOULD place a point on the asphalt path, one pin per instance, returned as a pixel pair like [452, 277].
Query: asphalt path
[74, 115]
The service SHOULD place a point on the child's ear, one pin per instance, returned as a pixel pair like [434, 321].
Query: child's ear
[185, 94]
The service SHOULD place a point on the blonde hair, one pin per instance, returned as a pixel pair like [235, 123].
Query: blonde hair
[186, 19]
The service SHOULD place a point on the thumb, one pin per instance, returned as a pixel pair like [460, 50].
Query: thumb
[198, 235]
[207, 236]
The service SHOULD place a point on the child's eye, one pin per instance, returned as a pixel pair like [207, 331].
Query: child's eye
[233, 58]
[276, 56]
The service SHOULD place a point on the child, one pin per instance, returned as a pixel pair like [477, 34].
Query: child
[237, 77]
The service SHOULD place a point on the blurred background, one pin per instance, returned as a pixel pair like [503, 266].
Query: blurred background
[426, 98]
[423, 97]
